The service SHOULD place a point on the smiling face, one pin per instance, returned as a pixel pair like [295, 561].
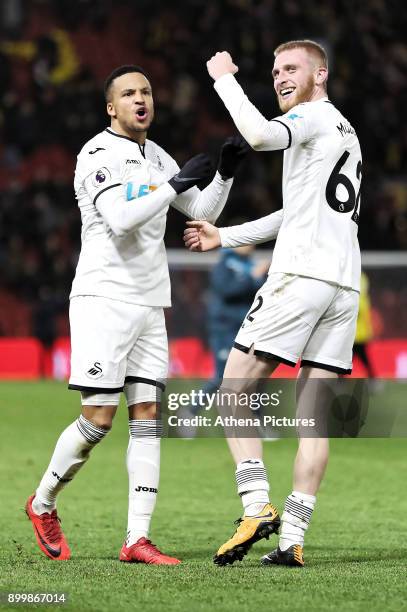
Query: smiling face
[130, 105]
[298, 77]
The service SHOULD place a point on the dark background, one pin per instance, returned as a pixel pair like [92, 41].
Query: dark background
[54, 57]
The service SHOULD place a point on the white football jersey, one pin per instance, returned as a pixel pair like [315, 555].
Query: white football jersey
[321, 185]
[123, 196]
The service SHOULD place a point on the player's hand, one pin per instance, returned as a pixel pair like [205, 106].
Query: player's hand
[221, 64]
[201, 236]
[233, 151]
[194, 170]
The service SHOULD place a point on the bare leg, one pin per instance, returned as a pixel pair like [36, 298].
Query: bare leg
[243, 368]
[309, 466]
[143, 410]
[312, 455]
[101, 416]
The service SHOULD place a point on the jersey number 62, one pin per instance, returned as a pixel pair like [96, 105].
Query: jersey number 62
[338, 178]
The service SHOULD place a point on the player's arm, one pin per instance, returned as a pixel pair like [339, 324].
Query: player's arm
[106, 190]
[202, 236]
[260, 133]
[209, 203]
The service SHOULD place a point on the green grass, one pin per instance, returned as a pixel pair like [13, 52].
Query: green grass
[355, 548]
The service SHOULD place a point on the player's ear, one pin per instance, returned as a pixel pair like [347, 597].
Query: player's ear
[321, 75]
[110, 109]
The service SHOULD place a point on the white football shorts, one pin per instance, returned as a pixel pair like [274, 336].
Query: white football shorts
[115, 343]
[295, 317]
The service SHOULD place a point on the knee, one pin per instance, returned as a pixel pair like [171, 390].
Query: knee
[100, 408]
[144, 410]
[99, 416]
[103, 422]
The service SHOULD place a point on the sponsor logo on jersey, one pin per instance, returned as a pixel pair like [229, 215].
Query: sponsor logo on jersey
[133, 161]
[139, 488]
[96, 150]
[145, 190]
[133, 192]
[95, 371]
[100, 176]
[294, 116]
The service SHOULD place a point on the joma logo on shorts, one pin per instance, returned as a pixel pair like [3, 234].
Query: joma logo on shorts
[145, 489]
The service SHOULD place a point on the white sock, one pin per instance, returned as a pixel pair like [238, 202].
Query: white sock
[295, 519]
[143, 466]
[252, 485]
[71, 452]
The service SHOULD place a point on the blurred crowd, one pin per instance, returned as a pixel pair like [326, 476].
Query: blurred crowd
[54, 57]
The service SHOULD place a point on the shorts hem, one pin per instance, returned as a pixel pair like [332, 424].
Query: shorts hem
[143, 400]
[325, 366]
[88, 389]
[146, 381]
[241, 347]
[265, 354]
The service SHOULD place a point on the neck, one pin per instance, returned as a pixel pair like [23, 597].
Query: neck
[136, 135]
[317, 94]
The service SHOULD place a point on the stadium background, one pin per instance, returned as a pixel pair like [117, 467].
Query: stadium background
[53, 59]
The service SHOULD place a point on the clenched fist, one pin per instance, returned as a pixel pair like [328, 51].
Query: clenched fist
[221, 64]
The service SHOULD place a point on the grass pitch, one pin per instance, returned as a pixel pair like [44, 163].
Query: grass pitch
[355, 550]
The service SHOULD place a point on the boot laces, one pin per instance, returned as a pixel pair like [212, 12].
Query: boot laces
[52, 530]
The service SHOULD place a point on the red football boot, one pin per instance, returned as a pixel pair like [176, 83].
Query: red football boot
[49, 536]
[144, 551]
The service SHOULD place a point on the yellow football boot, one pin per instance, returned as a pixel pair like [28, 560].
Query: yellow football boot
[250, 529]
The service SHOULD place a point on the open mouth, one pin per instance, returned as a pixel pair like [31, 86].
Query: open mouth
[141, 114]
[286, 92]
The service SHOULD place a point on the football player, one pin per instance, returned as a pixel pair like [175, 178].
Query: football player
[124, 184]
[307, 308]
